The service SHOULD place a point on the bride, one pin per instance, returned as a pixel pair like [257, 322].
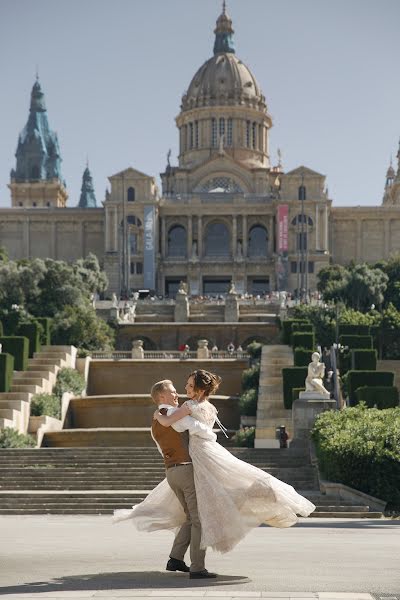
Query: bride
[232, 495]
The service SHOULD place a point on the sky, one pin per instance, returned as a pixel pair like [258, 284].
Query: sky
[114, 71]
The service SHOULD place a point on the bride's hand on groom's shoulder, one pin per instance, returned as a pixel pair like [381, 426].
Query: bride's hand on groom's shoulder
[186, 408]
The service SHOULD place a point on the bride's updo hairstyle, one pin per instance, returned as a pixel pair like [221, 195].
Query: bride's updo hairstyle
[205, 381]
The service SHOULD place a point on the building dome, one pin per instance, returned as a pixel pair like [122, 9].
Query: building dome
[223, 80]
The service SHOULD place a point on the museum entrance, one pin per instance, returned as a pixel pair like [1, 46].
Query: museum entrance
[215, 286]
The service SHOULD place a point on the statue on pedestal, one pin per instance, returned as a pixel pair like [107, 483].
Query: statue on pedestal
[316, 372]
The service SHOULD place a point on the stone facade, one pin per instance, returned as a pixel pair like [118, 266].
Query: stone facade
[224, 213]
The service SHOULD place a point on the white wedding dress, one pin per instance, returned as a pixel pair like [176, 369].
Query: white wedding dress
[232, 496]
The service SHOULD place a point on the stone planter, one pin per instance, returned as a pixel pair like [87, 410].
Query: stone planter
[36, 422]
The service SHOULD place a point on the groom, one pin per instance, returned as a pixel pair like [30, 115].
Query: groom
[173, 444]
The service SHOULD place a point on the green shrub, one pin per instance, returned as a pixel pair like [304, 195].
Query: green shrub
[356, 341]
[6, 371]
[244, 437]
[46, 404]
[10, 438]
[379, 396]
[356, 379]
[1, 329]
[68, 380]
[302, 327]
[303, 340]
[296, 392]
[251, 378]
[31, 331]
[293, 377]
[248, 403]
[18, 347]
[254, 349]
[302, 357]
[45, 335]
[360, 447]
[364, 360]
[348, 329]
[287, 328]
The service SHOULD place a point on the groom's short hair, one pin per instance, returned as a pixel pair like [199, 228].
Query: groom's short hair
[158, 389]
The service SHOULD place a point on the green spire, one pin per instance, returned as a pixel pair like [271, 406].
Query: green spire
[88, 197]
[224, 33]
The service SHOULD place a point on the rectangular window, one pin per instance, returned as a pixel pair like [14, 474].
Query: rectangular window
[230, 132]
[139, 268]
[221, 127]
[253, 135]
[293, 267]
[196, 134]
[310, 266]
[214, 133]
[133, 243]
[302, 241]
[190, 135]
[248, 134]
[132, 268]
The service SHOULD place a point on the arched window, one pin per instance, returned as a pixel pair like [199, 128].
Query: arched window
[221, 127]
[258, 241]
[133, 246]
[254, 134]
[248, 134]
[190, 135]
[302, 219]
[131, 194]
[217, 240]
[35, 172]
[196, 134]
[302, 192]
[177, 241]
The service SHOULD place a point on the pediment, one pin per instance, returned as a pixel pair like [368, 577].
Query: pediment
[130, 173]
[303, 171]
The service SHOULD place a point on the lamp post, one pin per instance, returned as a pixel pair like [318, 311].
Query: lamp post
[303, 261]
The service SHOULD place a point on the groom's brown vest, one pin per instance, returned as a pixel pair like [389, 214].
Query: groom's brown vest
[174, 445]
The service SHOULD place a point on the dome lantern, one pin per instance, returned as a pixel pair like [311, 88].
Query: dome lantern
[224, 33]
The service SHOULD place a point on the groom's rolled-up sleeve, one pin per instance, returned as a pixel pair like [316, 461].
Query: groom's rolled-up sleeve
[194, 427]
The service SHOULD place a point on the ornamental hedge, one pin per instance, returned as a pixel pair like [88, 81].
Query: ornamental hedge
[356, 341]
[296, 392]
[18, 347]
[303, 327]
[380, 396]
[303, 340]
[293, 377]
[248, 403]
[360, 447]
[251, 378]
[6, 371]
[302, 357]
[348, 329]
[31, 331]
[358, 360]
[1, 329]
[45, 336]
[286, 325]
[356, 379]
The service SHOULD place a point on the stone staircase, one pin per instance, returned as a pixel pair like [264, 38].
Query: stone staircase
[99, 480]
[207, 313]
[39, 378]
[271, 412]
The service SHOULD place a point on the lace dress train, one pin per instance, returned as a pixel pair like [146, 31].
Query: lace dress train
[232, 495]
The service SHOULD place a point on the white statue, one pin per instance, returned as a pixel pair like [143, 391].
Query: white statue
[316, 372]
[114, 300]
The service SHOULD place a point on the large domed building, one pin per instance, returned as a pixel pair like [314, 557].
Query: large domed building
[224, 213]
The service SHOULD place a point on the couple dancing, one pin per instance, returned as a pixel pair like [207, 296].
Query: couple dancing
[211, 497]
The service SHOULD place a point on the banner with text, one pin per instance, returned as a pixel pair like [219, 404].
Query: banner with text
[149, 248]
[282, 267]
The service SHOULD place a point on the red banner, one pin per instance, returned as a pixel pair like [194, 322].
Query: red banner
[283, 226]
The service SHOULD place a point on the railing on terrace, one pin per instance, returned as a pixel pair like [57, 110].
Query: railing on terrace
[219, 198]
[169, 354]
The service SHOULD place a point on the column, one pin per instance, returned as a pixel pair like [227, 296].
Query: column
[245, 235]
[317, 227]
[234, 236]
[189, 236]
[114, 231]
[270, 248]
[163, 238]
[386, 237]
[200, 237]
[326, 240]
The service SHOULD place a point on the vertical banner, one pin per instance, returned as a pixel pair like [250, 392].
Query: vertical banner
[282, 266]
[149, 248]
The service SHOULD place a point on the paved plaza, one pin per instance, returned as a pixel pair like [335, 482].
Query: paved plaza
[89, 557]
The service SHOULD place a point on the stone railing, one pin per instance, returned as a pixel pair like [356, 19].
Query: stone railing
[168, 355]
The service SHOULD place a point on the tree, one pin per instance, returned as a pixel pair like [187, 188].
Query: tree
[80, 326]
[332, 281]
[392, 269]
[365, 286]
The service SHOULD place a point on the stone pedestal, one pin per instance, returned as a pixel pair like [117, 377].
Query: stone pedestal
[137, 349]
[114, 313]
[202, 349]
[231, 308]
[181, 314]
[304, 413]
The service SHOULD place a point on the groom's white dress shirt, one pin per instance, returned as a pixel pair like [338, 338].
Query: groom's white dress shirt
[187, 423]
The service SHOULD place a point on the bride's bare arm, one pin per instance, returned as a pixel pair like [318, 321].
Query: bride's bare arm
[166, 421]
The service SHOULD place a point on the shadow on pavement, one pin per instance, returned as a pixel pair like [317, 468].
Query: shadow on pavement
[351, 524]
[137, 580]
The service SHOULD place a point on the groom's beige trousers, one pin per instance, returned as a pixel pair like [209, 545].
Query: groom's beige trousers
[181, 481]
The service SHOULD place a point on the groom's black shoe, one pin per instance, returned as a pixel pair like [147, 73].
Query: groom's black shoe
[202, 575]
[177, 565]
